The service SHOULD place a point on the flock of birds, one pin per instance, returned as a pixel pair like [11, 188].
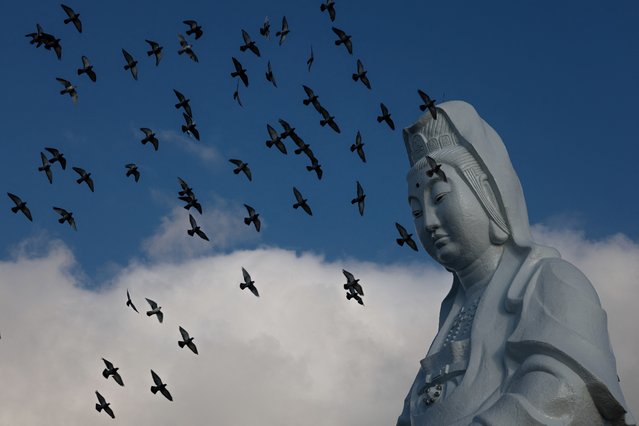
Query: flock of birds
[186, 194]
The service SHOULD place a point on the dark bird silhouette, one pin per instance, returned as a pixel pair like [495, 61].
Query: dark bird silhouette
[194, 28]
[236, 94]
[309, 61]
[275, 139]
[312, 98]
[57, 156]
[344, 39]
[187, 48]
[239, 72]
[150, 137]
[253, 217]
[195, 229]
[155, 310]
[249, 44]
[72, 17]
[110, 370]
[359, 199]
[37, 38]
[241, 167]
[189, 128]
[329, 5]
[405, 237]
[317, 167]
[269, 74]
[327, 118]
[51, 42]
[87, 69]
[301, 146]
[68, 88]
[46, 167]
[301, 202]
[129, 302]
[65, 216]
[191, 201]
[84, 177]
[132, 169]
[249, 283]
[435, 169]
[131, 64]
[353, 287]
[427, 103]
[183, 102]
[103, 405]
[359, 146]
[283, 32]
[20, 206]
[385, 117]
[187, 341]
[265, 29]
[288, 130]
[159, 386]
[361, 75]
[156, 50]
[186, 189]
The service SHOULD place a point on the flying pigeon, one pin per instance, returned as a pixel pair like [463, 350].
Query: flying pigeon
[275, 139]
[405, 237]
[68, 88]
[191, 201]
[269, 74]
[57, 156]
[131, 64]
[20, 206]
[87, 69]
[353, 287]
[195, 229]
[129, 302]
[239, 71]
[110, 370]
[252, 217]
[310, 60]
[46, 167]
[72, 17]
[159, 386]
[282, 33]
[183, 102]
[327, 118]
[186, 189]
[187, 341]
[149, 137]
[84, 177]
[315, 165]
[427, 103]
[189, 127]
[37, 38]
[155, 310]
[344, 39]
[241, 167]
[132, 169]
[185, 47]
[236, 94]
[435, 169]
[65, 216]
[385, 117]
[301, 202]
[265, 30]
[248, 283]
[359, 199]
[312, 98]
[156, 50]
[361, 75]
[50, 42]
[103, 405]
[194, 28]
[249, 44]
[329, 6]
[359, 146]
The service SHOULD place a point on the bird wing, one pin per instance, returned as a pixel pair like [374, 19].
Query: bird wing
[236, 162]
[237, 64]
[298, 195]
[348, 276]
[423, 95]
[146, 131]
[166, 393]
[156, 378]
[60, 211]
[183, 42]
[14, 198]
[365, 81]
[307, 209]
[248, 173]
[431, 162]
[202, 235]
[284, 24]
[247, 276]
[254, 290]
[85, 62]
[192, 220]
[401, 230]
[258, 224]
[53, 151]
[287, 127]
[66, 83]
[72, 223]
[127, 56]
[152, 303]
[309, 91]
[246, 37]
[384, 109]
[272, 132]
[90, 184]
[179, 95]
[341, 34]
[153, 44]
[349, 45]
[360, 190]
[192, 346]
[249, 209]
[101, 399]
[358, 288]
[187, 118]
[411, 243]
[184, 333]
[108, 364]
[79, 171]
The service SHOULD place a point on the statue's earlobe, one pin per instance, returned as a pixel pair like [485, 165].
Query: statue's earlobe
[497, 235]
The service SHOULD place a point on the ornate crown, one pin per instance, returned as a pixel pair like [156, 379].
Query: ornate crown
[428, 135]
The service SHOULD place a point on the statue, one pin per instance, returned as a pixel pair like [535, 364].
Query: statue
[522, 337]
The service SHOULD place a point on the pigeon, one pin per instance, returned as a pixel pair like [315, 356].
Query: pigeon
[68, 88]
[249, 44]
[183, 102]
[84, 177]
[72, 17]
[187, 341]
[103, 405]
[57, 156]
[385, 117]
[50, 42]
[46, 167]
[20, 206]
[405, 237]
[195, 229]
[241, 167]
[159, 386]
[428, 103]
[186, 189]
[65, 216]
[150, 137]
[132, 169]
[155, 310]
[282, 33]
[275, 139]
[129, 302]
[361, 75]
[269, 74]
[344, 39]
[191, 201]
[265, 30]
[131, 64]
[315, 165]
[435, 169]
[248, 283]
[252, 217]
[185, 47]
[189, 127]
[310, 60]
[87, 69]
[359, 199]
[289, 131]
[110, 370]
[156, 50]
[311, 99]
[194, 28]
[327, 118]
[359, 146]
[37, 38]
[353, 287]
[301, 202]
[239, 71]
[236, 94]
[329, 6]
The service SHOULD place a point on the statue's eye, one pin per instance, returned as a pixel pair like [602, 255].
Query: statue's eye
[417, 213]
[440, 197]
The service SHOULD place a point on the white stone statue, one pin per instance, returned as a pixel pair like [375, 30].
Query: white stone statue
[522, 338]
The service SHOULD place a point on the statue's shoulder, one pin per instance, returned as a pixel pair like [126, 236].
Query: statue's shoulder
[559, 281]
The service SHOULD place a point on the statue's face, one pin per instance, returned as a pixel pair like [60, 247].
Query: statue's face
[451, 223]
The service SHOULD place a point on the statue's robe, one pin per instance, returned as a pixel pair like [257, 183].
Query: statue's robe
[539, 353]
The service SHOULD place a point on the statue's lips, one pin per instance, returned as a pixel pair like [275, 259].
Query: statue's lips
[441, 241]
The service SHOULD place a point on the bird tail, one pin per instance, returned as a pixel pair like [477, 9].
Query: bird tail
[98, 407]
[355, 77]
[269, 143]
[353, 148]
[354, 200]
[322, 7]
[243, 48]
[184, 129]
[380, 119]
[15, 209]
[237, 170]
[296, 205]
[400, 242]
[190, 232]
[105, 373]
[247, 221]
[243, 286]
[309, 168]
[66, 21]
[154, 389]
[422, 107]
[349, 296]
[338, 42]
[298, 151]
[61, 220]
[126, 67]
[80, 71]
[322, 123]
[79, 180]
[181, 344]
[149, 53]
[306, 102]
[234, 74]
[149, 313]
[62, 92]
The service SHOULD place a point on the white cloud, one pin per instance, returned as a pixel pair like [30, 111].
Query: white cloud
[299, 354]
[199, 149]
